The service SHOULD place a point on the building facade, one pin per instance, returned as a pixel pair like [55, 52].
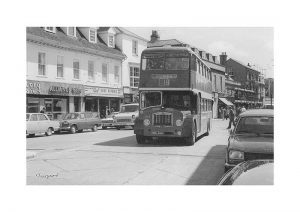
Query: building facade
[269, 91]
[251, 92]
[70, 69]
[218, 81]
[132, 46]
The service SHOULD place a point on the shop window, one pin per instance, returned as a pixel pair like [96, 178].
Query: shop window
[32, 105]
[91, 105]
[77, 104]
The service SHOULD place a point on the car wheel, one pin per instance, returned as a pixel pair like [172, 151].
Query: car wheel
[80, 131]
[49, 131]
[31, 135]
[73, 129]
[140, 139]
[104, 128]
[95, 128]
[118, 128]
[192, 139]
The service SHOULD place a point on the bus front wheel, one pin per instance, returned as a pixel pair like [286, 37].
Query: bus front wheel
[192, 139]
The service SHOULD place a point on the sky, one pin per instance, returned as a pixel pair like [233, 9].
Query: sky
[252, 45]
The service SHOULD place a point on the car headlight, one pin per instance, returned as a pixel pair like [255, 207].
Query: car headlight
[178, 123]
[133, 116]
[236, 155]
[146, 122]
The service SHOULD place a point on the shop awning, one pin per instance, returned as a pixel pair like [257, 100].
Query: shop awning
[225, 101]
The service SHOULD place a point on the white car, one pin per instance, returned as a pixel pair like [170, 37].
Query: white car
[126, 116]
[37, 123]
[108, 121]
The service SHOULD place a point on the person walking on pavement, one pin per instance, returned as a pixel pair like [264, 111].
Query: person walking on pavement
[223, 113]
[231, 118]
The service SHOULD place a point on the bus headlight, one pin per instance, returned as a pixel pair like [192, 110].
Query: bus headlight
[236, 155]
[146, 122]
[178, 123]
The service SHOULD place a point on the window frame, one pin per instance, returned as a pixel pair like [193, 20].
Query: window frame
[58, 66]
[68, 33]
[133, 76]
[49, 30]
[135, 50]
[117, 71]
[76, 60]
[41, 64]
[113, 40]
[94, 30]
[91, 78]
[107, 75]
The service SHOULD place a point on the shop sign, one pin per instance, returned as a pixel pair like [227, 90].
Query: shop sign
[33, 88]
[54, 88]
[100, 91]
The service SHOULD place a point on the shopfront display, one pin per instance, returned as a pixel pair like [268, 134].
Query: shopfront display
[52, 98]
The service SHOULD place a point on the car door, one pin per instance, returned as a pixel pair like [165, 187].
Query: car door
[32, 124]
[44, 122]
[81, 122]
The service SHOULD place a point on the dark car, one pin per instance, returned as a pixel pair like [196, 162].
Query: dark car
[77, 122]
[253, 172]
[252, 138]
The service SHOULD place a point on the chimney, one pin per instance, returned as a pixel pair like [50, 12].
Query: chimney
[223, 58]
[154, 36]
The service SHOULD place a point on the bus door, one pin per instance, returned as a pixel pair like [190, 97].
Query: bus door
[198, 118]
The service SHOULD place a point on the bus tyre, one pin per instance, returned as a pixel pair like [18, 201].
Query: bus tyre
[192, 139]
[140, 139]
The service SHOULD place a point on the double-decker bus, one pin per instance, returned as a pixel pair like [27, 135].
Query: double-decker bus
[175, 94]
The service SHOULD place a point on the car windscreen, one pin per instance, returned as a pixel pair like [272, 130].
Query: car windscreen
[70, 116]
[129, 108]
[258, 125]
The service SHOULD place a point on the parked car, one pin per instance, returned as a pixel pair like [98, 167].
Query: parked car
[37, 123]
[108, 121]
[127, 115]
[253, 172]
[252, 138]
[77, 122]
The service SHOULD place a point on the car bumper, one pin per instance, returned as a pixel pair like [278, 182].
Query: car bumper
[107, 124]
[124, 124]
[65, 128]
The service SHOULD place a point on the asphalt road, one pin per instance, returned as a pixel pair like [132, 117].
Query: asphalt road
[112, 157]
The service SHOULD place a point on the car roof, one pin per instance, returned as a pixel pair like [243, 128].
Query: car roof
[258, 112]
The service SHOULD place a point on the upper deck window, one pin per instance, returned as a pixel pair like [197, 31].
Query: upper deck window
[167, 61]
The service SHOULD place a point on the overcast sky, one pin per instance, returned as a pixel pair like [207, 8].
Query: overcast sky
[252, 45]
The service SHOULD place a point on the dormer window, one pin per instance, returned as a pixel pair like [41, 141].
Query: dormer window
[71, 31]
[50, 29]
[111, 41]
[93, 35]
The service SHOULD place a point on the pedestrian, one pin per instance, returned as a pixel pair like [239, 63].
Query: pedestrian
[226, 113]
[223, 113]
[243, 109]
[43, 109]
[231, 118]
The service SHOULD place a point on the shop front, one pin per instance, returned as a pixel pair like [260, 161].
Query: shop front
[53, 98]
[102, 100]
